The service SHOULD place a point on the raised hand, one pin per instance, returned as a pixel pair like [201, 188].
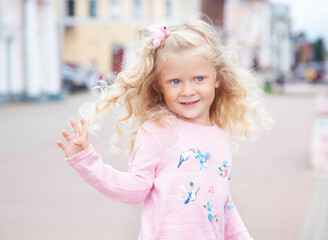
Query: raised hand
[76, 144]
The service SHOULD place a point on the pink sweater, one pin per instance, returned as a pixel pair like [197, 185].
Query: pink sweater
[182, 176]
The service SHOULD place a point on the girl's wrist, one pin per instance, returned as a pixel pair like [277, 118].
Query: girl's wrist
[85, 146]
[80, 155]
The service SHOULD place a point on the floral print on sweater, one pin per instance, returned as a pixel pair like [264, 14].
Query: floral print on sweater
[199, 157]
[191, 194]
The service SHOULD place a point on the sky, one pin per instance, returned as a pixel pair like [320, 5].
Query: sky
[309, 16]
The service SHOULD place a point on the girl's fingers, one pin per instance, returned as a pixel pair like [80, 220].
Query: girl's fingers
[61, 145]
[84, 127]
[76, 128]
[66, 135]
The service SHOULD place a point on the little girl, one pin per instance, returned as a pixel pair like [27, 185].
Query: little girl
[185, 96]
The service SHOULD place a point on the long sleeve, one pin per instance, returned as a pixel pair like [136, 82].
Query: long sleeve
[132, 186]
[234, 227]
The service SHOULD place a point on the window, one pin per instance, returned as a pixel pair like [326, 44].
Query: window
[70, 8]
[169, 9]
[137, 9]
[93, 8]
[114, 9]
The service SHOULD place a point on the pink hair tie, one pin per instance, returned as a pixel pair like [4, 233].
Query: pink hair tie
[160, 33]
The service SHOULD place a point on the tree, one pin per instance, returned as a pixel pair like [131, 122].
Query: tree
[318, 50]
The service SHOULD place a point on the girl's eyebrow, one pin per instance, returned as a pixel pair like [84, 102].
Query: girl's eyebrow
[172, 77]
[169, 78]
[201, 75]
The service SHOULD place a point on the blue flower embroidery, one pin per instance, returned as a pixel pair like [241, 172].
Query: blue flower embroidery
[202, 158]
[208, 206]
[224, 168]
[189, 196]
[210, 216]
[229, 205]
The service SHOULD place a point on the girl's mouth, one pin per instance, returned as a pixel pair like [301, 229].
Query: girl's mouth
[189, 104]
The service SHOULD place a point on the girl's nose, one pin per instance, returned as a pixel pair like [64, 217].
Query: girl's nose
[188, 89]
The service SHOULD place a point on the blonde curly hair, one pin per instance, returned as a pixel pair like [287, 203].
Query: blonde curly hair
[236, 105]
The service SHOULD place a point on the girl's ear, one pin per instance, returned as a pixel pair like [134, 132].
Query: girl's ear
[217, 82]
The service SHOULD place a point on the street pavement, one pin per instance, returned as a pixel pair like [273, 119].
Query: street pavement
[278, 195]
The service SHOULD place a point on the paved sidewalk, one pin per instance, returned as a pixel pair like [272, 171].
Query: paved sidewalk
[315, 223]
[272, 178]
[41, 197]
[303, 87]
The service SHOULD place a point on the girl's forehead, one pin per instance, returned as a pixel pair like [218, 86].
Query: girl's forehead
[165, 54]
[187, 63]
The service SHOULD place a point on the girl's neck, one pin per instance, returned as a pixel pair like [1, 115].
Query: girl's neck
[205, 125]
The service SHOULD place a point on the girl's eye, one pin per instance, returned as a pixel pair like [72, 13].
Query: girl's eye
[175, 81]
[199, 79]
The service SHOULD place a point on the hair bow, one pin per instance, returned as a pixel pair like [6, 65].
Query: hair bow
[159, 33]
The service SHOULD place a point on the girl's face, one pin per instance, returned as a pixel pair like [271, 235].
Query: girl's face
[188, 83]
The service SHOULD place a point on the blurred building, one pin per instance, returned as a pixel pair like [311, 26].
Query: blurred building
[281, 39]
[247, 23]
[303, 52]
[214, 9]
[29, 53]
[261, 32]
[100, 31]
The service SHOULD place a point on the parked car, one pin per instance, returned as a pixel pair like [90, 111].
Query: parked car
[74, 77]
[314, 71]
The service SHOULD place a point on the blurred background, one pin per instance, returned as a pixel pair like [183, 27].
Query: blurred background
[53, 52]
